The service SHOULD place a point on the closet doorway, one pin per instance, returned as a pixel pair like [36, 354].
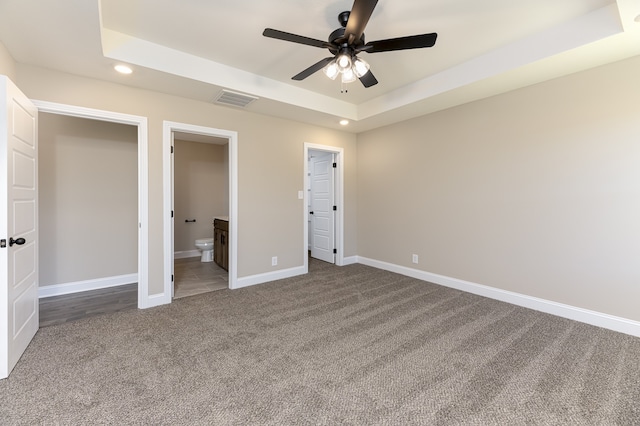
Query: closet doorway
[131, 270]
[324, 204]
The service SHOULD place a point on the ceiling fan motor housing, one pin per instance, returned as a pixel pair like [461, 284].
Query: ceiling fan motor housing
[343, 18]
[337, 38]
[334, 37]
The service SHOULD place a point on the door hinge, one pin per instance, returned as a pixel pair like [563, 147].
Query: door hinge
[335, 251]
[171, 213]
[335, 208]
[3, 243]
[172, 149]
[335, 165]
[171, 277]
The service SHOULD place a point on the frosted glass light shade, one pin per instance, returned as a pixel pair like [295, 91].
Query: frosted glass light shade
[360, 67]
[348, 76]
[331, 70]
[344, 62]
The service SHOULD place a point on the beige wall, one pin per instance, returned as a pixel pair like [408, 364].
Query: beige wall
[7, 64]
[270, 170]
[201, 182]
[88, 197]
[536, 191]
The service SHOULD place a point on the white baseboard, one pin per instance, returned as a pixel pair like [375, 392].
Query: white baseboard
[79, 286]
[611, 322]
[349, 260]
[185, 254]
[269, 276]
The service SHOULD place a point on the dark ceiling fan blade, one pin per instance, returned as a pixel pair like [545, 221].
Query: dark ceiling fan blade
[281, 35]
[358, 18]
[368, 79]
[313, 68]
[400, 43]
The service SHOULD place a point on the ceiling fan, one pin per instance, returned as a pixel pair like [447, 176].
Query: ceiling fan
[346, 42]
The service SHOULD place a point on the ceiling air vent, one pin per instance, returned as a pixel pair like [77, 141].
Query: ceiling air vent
[240, 100]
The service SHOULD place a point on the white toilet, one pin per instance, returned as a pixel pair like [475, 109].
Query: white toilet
[205, 245]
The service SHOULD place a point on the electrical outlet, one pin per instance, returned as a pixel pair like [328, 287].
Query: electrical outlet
[414, 258]
[274, 261]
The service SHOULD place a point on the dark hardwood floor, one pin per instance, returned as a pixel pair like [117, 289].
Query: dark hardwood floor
[192, 277]
[71, 307]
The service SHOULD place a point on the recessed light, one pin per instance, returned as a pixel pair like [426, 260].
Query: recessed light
[123, 69]
[344, 122]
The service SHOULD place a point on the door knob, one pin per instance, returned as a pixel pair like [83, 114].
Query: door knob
[19, 241]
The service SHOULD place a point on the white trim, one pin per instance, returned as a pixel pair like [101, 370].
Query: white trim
[143, 178]
[168, 127]
[598, 319]
[187, 253]
[350, 260]
[338, 196]
[156, 300]
[270, 276]
[86, 285]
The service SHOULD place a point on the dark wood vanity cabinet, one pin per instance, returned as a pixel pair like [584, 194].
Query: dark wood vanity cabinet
[221, 243]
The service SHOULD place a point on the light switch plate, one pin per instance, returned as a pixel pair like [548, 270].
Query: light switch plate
[300, 195]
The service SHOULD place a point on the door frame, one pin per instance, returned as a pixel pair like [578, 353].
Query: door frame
[144, 299]
[338, 197]
[168, 128]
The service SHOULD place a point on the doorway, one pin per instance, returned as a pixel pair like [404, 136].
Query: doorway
[324, 204]
[88, 214]
[170, 129]
[201, 195]
[144, 301]
[321, 205]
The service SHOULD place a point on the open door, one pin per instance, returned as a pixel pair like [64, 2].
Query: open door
[322, 206]
[18, 224]
[172, 260]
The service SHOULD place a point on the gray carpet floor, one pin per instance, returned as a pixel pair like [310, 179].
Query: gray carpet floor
[342, 345]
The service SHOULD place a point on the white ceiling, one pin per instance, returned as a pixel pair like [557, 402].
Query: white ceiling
[194, 48]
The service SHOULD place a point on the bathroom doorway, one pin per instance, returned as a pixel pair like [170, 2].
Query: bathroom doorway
[200, 195]
[182, 257]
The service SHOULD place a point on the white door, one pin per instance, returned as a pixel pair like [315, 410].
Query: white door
[322, 202]
[173, 260]
[18, 224]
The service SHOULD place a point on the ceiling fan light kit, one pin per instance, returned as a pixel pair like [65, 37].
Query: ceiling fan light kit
[349, 69]
[346, 42]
